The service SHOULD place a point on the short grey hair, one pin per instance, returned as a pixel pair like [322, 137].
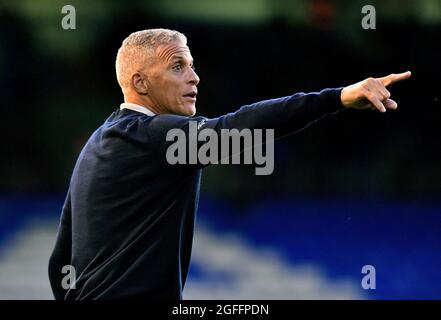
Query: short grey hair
[138, 48]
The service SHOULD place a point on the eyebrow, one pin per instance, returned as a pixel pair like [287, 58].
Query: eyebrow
[174, 58]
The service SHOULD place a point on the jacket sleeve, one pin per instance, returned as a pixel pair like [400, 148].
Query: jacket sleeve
[284, 115]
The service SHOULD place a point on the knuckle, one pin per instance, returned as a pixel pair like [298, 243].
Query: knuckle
[370, 96]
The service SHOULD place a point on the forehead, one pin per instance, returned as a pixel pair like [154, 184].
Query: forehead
[171, 50]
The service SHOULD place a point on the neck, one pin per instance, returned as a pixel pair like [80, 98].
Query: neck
[140, 100]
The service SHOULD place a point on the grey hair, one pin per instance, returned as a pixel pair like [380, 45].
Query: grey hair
[138, 48]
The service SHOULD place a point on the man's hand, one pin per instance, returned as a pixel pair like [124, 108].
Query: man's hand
[372, 93]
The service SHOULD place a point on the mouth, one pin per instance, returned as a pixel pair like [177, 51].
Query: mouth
[191, 95]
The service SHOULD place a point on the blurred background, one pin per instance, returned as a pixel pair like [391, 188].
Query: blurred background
[355, 189]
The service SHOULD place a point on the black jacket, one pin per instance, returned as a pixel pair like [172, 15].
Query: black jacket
[128, 219]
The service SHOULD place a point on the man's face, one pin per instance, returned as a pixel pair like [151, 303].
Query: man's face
[172, 80]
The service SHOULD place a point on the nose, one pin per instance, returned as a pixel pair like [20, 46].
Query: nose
[194, 78]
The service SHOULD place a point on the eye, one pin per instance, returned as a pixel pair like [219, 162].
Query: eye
[193, 67]
[177, 67]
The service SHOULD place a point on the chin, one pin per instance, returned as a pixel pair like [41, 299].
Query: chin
[190, 111]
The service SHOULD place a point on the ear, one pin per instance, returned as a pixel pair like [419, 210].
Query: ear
[139, 83]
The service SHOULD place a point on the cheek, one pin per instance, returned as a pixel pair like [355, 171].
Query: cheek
[173, 96]
[174, 92]
[165, 93]
[168, 91]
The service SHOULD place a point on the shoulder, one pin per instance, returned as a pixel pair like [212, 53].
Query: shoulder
[162, 123]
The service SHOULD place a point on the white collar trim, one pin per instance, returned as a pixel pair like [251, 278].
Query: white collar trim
[136, 107]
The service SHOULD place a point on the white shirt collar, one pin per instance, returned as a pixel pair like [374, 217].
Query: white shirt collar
[136, 107]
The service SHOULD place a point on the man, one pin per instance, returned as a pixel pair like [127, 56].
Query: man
[127, 223]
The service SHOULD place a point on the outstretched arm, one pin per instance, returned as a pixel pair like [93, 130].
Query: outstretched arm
[372, 93]
[285, 115]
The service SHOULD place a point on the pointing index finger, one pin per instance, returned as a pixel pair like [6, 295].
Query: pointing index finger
[394, 77]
